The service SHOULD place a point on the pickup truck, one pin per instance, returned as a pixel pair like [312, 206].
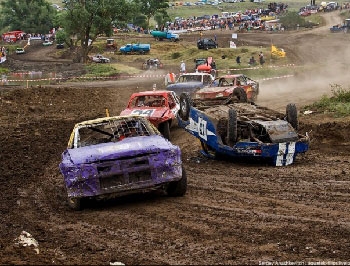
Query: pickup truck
[139, 48]
[100, 59]
[161, 35]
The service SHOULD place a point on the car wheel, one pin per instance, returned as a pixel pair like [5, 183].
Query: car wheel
[185, 105]
[178, 188]
[240, 93]
[292, 115]
[206, 48]
[164, 128]
[232, 127]
[216, 46]
[74, 203]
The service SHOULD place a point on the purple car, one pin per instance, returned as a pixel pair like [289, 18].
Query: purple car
[120, 155]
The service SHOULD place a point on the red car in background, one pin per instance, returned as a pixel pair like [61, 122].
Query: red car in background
[224, 86]
[159, 107]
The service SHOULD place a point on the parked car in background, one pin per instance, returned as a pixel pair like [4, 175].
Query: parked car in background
[60, 45]
[115, 156]
[206, 44]
[159, 107]
[20, 51]
[47, 43]
[100, 59]
[152, 63]
[337, 28]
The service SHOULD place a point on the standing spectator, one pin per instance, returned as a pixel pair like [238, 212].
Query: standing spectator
[183, 67]
[252, 61]
[261, 58]
[238, 60]
[215, 38]
[170, 78]
[200, 35]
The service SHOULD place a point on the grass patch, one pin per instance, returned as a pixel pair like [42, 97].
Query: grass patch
[107, 70]
[338, 103]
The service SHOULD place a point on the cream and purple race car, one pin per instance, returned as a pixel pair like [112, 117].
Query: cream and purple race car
[120, 155]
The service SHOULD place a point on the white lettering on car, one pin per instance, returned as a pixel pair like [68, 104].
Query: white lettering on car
[143, 112]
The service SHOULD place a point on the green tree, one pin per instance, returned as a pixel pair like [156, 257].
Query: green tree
[150, 7]
[30, 16]
[161, 18]
[84, 20]
[291, 20]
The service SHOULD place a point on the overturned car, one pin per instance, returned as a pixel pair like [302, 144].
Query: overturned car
[238, 129]
[120, 155]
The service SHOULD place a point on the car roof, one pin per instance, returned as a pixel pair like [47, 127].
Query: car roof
[160, 92]
[107, 119]
[228, 76]
[196, 73]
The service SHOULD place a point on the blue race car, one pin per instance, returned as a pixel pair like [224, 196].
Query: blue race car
[236, 129]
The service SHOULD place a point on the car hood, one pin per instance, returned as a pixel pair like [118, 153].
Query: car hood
[216, 90]
[190, 84]
[128, 147]
[149, 112]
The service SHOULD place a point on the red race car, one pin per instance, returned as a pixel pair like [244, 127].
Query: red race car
[159, 107]
[225, 85]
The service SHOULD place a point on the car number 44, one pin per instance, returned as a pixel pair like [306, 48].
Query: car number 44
[143, 112]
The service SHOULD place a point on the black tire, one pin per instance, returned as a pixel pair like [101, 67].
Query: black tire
[185, 105]
[74, 203]
[164, 128]
[240, 93]
[178, 188]
[292, 115]
[232, 127]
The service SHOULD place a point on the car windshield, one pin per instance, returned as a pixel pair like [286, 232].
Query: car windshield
[149, 101]
[110, 131]
[189, 78]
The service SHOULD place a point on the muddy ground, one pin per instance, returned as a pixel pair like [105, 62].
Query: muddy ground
[233, 212]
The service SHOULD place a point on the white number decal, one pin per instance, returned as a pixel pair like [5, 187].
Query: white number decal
[202, 128]
[147, 112]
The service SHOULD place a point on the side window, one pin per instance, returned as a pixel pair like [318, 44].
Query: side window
[175, 98]
[171, 101]
[242, 81]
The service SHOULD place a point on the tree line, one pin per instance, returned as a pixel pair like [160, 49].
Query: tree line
[80, 22]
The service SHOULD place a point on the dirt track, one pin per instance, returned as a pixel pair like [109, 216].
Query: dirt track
[233, 213]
